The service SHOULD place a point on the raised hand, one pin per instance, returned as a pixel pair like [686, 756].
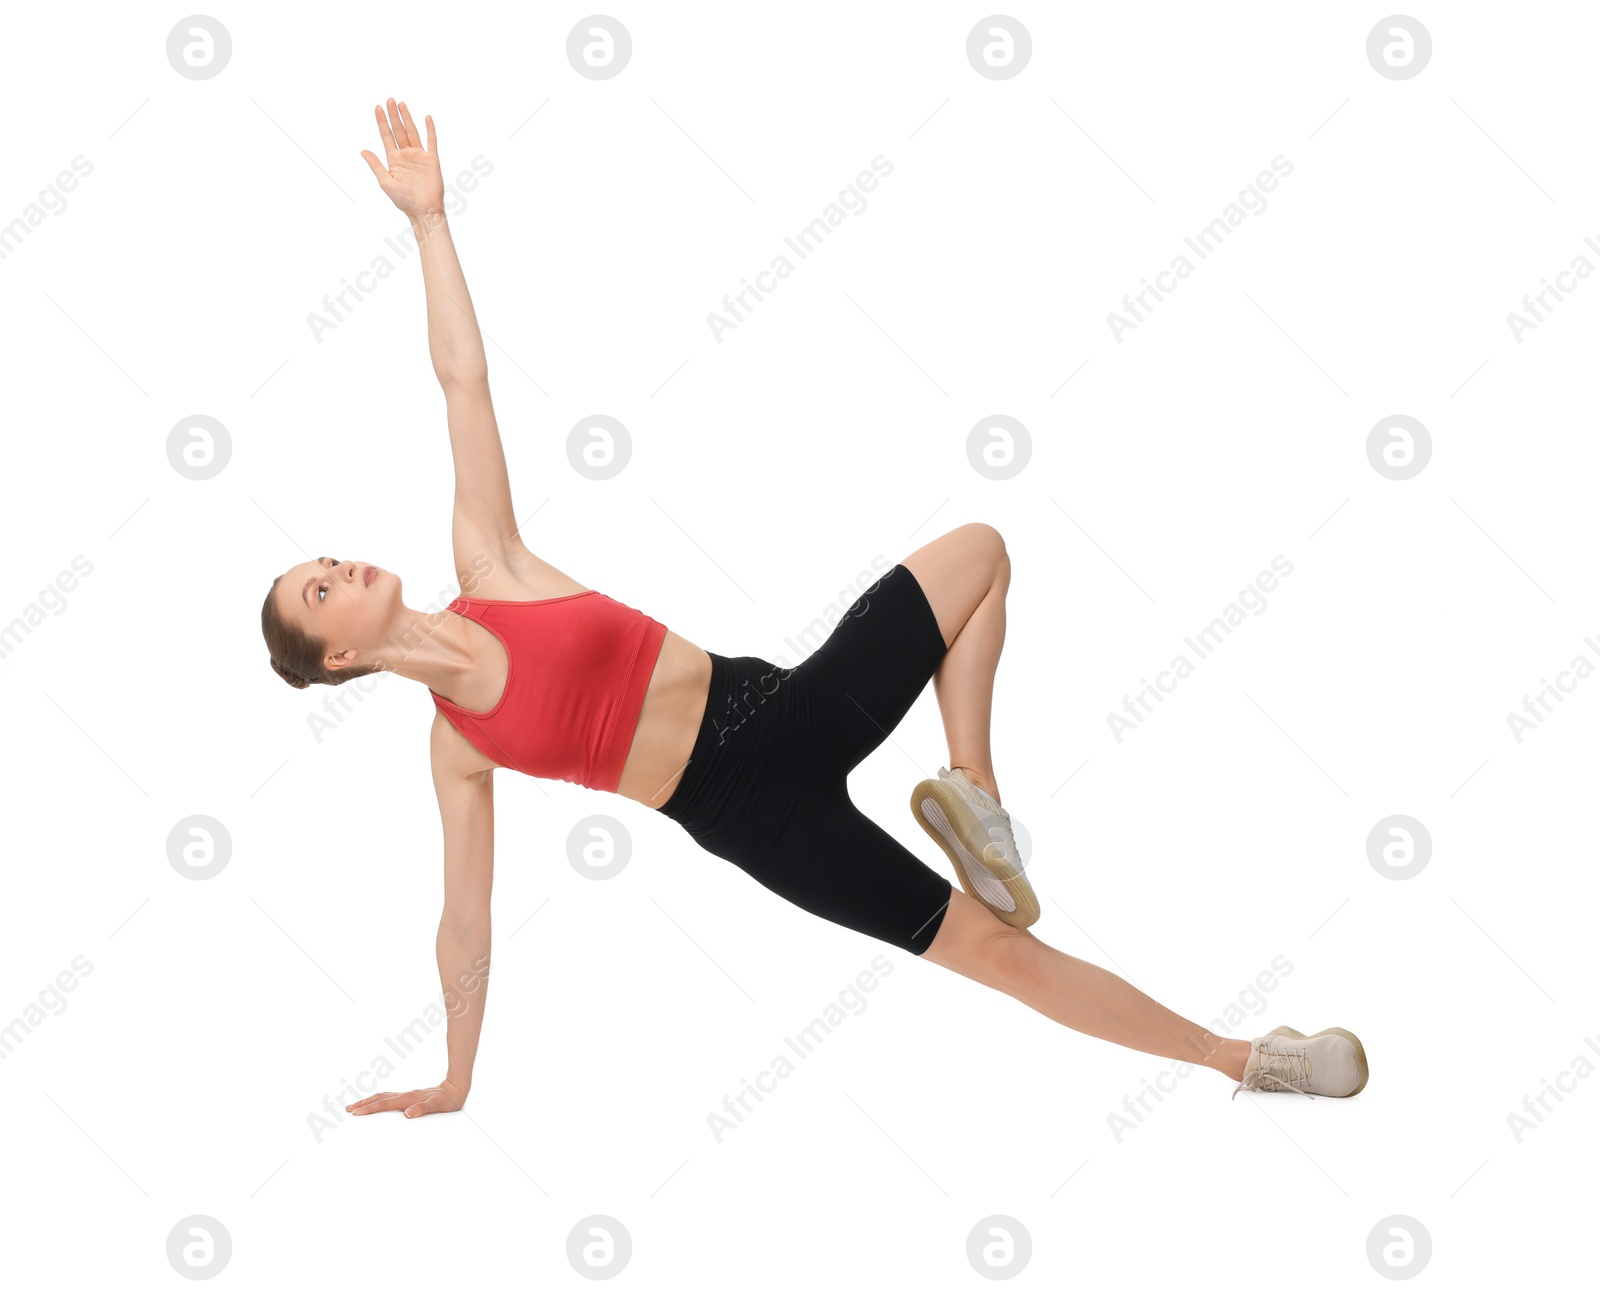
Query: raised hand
[411, 176]
[413, 1103]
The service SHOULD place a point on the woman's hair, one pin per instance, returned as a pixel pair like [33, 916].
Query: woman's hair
[296, 656]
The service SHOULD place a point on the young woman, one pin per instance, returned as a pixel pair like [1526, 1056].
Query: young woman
[532, 671]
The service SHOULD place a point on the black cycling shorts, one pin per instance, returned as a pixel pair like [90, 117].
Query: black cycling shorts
[765, 785]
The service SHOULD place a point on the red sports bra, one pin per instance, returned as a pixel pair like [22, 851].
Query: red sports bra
[577, 669]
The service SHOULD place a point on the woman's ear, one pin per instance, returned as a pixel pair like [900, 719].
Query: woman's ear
[340, 661]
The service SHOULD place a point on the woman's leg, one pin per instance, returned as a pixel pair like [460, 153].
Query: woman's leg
[965, 575]
[973, 942]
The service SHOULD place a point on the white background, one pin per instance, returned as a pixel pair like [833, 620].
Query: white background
[828, 428]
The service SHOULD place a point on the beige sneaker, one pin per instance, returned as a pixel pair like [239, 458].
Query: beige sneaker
[1330, 1063]
[975, 832]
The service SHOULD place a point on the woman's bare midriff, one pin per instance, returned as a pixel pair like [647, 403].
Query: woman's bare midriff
[669, 722]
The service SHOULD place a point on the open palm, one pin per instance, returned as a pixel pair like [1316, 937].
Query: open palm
[410, 174]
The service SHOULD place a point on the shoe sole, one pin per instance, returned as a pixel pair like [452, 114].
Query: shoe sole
[1361, 1054]
[948, 820]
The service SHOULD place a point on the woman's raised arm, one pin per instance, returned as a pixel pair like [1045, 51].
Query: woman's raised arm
[484, 516]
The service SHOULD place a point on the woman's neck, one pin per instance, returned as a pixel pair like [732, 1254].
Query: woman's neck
[435, 648]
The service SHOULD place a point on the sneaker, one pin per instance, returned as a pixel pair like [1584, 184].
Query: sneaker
[975, 832]
[1330, 1063]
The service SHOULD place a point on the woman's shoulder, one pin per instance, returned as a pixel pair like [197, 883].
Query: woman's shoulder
[515, 575]
[450, 752]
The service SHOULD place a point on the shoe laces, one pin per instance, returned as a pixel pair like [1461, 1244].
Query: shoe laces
[994, 818]
[1277, 1069]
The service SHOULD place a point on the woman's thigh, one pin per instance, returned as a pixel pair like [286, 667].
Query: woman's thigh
[957, 570]
[862, 680]
[830, 859]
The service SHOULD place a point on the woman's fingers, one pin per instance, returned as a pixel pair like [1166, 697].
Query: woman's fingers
[397, 126]
[412, 136]
[385, 135]
[388, 1101]
[413, 1103]
[399, 131]
[377, 168]
[433, 140]
[360, 1104]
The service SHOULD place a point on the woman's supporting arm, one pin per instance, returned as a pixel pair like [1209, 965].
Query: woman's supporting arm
[466, 811]
[466, 808]
[463, 953]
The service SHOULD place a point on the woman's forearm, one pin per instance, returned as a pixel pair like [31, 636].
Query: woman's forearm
[463, 954]
[454, 341]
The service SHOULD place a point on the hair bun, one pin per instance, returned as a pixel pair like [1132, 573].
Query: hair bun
[292, 678]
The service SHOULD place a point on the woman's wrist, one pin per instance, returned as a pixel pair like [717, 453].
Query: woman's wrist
[426, 220]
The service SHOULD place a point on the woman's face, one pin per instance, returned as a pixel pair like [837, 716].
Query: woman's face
[346, 605]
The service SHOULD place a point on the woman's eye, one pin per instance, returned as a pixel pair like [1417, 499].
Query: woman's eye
[321, 590]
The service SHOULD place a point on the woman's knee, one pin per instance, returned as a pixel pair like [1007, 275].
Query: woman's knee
[992, 545]
[1010, 955]
[987, 542]
[972, 941]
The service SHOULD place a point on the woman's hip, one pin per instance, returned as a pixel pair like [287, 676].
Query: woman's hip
[771, 733]
[752, 744]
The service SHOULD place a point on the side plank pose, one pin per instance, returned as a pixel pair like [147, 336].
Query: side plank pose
[536, 673]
